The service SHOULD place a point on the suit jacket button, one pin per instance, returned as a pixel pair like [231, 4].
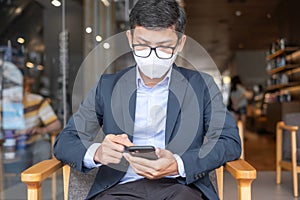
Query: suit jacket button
[105, 187]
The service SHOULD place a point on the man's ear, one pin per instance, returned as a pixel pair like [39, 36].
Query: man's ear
[181, 43]
[129, 37]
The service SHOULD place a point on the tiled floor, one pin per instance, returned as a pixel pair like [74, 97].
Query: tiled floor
[259, 151]
[263, 188]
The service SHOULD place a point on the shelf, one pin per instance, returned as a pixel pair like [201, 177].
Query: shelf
[281, 52]
[293, 88]
[283, 69]
[281, 86]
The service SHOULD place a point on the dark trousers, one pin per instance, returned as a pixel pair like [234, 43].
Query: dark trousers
[162, 189]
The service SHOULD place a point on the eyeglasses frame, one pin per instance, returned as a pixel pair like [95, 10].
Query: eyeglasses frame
[154, 49]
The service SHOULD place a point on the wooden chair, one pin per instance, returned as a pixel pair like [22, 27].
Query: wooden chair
[288, 162]
[242, 171]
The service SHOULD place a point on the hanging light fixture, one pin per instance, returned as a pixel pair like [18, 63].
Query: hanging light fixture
[56, 3]
[88, 29]
[20, 40]
[105, 2]
[98, 38]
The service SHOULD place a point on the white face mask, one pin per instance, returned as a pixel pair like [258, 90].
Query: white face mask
[154, 67]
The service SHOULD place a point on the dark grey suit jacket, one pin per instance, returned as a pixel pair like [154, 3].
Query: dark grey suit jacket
[198, 127]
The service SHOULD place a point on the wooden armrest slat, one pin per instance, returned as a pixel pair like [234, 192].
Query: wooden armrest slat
[41, 170]
[240, 169]
[282, 125]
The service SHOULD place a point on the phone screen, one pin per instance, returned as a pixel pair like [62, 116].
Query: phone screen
[147, 152]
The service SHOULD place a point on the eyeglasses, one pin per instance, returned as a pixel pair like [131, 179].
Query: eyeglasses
[144, 51]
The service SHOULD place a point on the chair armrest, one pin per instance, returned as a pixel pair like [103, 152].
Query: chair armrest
[34, 176]
[240, 169]
[282, 125]
[244, 173]
[41, 170]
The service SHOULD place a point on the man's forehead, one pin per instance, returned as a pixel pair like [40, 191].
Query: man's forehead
[155, 35]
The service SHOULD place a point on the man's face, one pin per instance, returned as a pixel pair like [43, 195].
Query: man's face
[163, 37]
[164, 42]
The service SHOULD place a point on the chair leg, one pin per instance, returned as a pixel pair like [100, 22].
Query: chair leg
[244, 189]
[54, 182]
[278, 174]
[295, 183]
[278, 153]
[294, 162]
[34, 191]
[220, 174]
[66, 177]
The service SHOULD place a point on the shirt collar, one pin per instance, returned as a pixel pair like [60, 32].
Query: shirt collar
[164, 82]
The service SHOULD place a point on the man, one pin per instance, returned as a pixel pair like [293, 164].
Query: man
[154, 103]
[40, 119]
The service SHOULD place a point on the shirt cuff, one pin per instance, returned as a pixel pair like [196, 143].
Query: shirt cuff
[88, 160]
[180, 165]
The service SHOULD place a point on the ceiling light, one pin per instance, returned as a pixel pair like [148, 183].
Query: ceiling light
[98, 38]
[29, 65]
[18, 10]
[56, 3]
[105, 2]
[238, 13]
[88, 29]
[106, 45]
[20, 40]
[40, 67]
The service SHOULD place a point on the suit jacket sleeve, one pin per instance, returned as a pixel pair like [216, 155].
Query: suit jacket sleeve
[80, 132]
[222, 139]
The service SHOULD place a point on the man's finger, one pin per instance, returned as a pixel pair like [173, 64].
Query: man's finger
[122, 139]
[138, 160]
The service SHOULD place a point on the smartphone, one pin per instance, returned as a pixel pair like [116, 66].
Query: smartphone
[147, 152]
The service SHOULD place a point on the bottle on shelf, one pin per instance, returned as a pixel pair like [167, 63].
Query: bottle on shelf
[282, 43]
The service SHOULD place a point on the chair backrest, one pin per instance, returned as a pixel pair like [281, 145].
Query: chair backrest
[291, 119]
[80, 183]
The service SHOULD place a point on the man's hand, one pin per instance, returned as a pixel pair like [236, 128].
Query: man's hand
[111, 149]
[36, 130]
[165, 165]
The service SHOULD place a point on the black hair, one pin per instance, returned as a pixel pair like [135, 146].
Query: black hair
[157, 14]
[234, 82]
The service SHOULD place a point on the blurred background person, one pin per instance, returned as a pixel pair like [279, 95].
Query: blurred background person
[40, 119]
[238, 100]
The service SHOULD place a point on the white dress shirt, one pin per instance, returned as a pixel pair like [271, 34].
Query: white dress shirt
[149, 125]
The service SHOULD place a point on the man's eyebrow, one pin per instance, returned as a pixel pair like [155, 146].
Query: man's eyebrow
[157, 43]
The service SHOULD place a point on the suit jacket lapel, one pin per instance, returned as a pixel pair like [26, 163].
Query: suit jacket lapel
[177, 89]
[125, 95]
